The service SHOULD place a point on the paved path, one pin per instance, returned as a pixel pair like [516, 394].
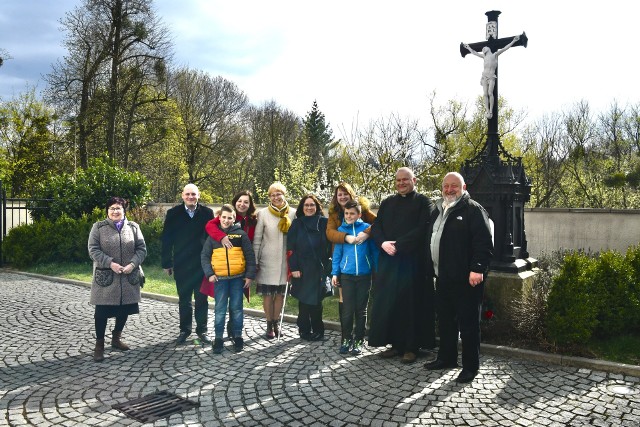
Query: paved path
[47, 376]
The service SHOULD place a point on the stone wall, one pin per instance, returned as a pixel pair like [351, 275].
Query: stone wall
[588, 229]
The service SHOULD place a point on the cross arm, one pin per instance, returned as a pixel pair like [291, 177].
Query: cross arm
[494, 44]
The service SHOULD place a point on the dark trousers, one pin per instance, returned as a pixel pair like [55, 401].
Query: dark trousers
[188, 289]
[459, 313]
[310, 318]
[355, 297]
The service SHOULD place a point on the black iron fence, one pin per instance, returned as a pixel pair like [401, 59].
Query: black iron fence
[16, 211]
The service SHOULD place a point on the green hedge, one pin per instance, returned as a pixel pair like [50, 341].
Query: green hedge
[595, 297]
[79, 193]
[65, 240]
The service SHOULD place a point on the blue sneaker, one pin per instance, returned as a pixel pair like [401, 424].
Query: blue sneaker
[357, 348]
[346, 345]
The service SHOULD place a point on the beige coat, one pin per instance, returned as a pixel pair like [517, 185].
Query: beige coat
[270, 247]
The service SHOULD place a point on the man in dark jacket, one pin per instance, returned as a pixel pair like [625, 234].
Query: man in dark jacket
[459, 251]
[182, 239]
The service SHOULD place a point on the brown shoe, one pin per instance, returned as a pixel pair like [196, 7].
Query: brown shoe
[98, 351]
[409, 357]
[389, 353]
[116, 343]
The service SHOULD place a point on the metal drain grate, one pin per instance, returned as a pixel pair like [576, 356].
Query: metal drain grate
[155, 406]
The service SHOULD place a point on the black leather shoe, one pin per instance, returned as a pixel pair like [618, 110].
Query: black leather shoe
[436, 365]
[306, 336]
[182, 338]
[466, 376]
[318, 336]
[204, 338]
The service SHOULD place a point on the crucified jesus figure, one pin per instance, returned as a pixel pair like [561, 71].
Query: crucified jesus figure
[488, 80]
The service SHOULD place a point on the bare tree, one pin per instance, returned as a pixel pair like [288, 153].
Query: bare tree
[211, 111]
[379, 149]
[115, 49]
[545, 149]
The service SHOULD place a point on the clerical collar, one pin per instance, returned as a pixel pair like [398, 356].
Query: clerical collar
[408, 194]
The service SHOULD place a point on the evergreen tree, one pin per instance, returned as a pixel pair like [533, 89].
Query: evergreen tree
[320, 147]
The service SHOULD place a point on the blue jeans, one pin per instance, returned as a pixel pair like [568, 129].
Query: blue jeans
[229, 291]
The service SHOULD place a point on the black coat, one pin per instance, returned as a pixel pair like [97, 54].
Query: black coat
[182, 240]
[466, 245]
[402, 312]
[307, 239]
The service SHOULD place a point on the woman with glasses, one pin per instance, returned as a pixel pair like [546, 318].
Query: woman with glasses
[310, 263]
[270, 247]
[117, 249]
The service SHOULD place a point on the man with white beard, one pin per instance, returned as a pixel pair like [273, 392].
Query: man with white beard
[459, 253]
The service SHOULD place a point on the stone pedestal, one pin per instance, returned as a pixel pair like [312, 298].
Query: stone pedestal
[502, 288]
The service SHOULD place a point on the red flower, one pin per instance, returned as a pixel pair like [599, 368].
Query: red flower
[488, 314]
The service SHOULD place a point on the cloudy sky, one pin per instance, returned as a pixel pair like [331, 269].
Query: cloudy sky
[366, 59]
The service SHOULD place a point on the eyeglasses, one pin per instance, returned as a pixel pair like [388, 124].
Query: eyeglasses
[114, 209]
[275, 195]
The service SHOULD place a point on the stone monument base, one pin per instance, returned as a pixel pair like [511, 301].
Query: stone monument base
[501, 289]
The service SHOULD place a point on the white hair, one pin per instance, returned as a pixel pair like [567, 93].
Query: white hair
[457, 175]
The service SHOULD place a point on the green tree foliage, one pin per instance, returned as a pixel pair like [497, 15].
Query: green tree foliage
[26, 143]
[74, 196]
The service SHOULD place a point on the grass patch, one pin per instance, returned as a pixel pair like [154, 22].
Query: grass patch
[621, 349]
[158, 282]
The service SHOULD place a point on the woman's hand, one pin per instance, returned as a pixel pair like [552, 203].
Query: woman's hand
[361, 237]
[117, 268]
[296, 274]
[247, 283]
[334, 281]
[213, 278]
[226, 242]
[350, 239]
[129, 268]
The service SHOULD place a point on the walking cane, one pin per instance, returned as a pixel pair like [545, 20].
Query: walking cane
[284, 304]
[286, 291]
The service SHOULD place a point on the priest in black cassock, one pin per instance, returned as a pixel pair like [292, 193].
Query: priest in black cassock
[402, 312]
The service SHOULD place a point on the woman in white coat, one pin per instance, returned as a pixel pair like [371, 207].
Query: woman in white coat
[270, 247]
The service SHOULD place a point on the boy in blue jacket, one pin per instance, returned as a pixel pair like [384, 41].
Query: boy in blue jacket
[352, 266]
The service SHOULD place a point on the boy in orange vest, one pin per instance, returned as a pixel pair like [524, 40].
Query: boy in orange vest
[231, 271]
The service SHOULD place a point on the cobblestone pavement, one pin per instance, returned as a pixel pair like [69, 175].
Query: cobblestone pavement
[47, 376]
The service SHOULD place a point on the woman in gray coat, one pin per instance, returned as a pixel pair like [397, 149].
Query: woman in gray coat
[117, 249]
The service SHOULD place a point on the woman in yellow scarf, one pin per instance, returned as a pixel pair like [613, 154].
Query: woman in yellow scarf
[270, 247]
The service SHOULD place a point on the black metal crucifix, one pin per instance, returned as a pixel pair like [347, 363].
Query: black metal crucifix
[489, 51]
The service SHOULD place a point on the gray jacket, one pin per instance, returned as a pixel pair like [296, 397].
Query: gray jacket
[105, 245]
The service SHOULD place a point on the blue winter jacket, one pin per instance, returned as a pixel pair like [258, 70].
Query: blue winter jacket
[357, 260]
